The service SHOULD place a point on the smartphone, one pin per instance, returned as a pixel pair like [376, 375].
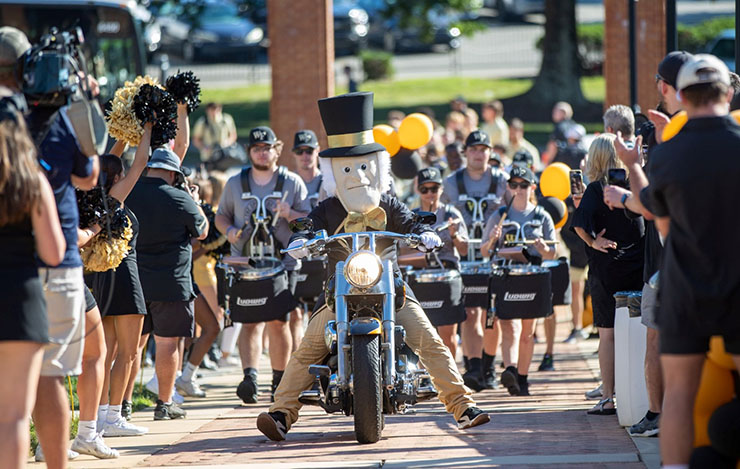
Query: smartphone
[576, 182]
[617, 177]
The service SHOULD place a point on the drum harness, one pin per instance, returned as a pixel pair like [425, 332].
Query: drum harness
[262, 220]
[476, 207]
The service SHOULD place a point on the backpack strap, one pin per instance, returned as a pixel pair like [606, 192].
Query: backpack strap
[280, 179]
[245, 180]
[496, 176]
[539, 213]
[459, 178]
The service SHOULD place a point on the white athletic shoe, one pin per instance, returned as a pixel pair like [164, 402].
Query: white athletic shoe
[122, 428]
[189, 388]
[228, 362]
[39, 456]
[153, 386]
[96, 447]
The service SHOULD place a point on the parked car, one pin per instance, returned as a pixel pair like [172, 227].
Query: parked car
[723, 46]
[351, 26]
[514, 10]
[208, 30]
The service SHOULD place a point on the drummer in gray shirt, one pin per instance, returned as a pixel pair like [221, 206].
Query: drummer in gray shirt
[444, 305]
[235, 219]
[522, 184]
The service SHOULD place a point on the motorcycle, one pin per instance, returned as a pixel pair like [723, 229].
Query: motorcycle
[370, 372]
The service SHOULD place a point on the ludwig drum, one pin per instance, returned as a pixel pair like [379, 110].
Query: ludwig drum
[310, 280]
[560, 276]
[258, 292]
[522, 292]
[439, 292]
[476, 279]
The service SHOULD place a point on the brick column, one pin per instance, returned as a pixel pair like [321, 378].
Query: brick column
[651, 48]
[301, 54]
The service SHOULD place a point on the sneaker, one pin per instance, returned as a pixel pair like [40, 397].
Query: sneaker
[95, 447]
[272, 425]
[229, 361]
[594, 393]
[472, 379]
[247, 389]
[510, 380]
[574, 336]
[39, 456]
[153, 386]
[189, 388]
[208, 364]
[168, 411]
[489, 380]
[645, 427]
[523, 385]
[122, 428]
[547, 363]
[472, 418]
[126, 410]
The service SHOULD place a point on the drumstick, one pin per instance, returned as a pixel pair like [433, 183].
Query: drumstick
[529, 241]
[277, 213]
[501, 222]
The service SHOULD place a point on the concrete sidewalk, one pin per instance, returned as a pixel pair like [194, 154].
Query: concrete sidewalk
[548, 428]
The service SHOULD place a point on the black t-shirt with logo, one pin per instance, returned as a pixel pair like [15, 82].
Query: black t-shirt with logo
[694, 181]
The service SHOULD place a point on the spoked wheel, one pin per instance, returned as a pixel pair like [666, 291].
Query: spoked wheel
[368, 395]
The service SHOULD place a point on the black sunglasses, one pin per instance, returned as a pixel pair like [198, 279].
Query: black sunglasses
[425, 189]
[523, 184]
[301, 151]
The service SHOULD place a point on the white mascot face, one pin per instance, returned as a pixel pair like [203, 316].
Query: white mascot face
[358, 181]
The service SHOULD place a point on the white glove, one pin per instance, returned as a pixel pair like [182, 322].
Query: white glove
[300, 253]
[430, 240]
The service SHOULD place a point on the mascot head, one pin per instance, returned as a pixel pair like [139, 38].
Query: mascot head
[355, 169]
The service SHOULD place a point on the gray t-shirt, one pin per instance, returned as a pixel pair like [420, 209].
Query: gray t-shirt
[313, 187]
[543, 226]
[448, 252]
[238, 210]
[476, 189]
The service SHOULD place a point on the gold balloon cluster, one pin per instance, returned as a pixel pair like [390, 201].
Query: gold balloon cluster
[103, 253]
[122, 122]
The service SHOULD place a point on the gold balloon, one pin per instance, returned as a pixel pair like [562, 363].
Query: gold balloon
[415, 131]
[388, 137]
[675, 125]
[555, 181]
[563, 220]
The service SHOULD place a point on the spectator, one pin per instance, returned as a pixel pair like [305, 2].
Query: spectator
[29, 226]
[454, 127]
[459, 104]
[494, 123]
[351, 82]
[615, 256]
[573, 152]
[620, 119]
[471, 120]
[395, 117]
[214, 130]
[169, 218]
[454, 156]
[562, 118]
[517, 142]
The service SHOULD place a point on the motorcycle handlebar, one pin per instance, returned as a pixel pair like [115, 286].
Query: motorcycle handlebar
[318, 243]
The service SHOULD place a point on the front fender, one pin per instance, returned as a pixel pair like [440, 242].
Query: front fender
[365, 326]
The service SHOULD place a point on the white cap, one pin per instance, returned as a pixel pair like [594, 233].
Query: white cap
[704, 68]
[575, 132]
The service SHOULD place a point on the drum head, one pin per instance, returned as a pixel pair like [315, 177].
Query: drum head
[241, 261]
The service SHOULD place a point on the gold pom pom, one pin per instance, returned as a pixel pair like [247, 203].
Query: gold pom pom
[122, 122]
[103, 254]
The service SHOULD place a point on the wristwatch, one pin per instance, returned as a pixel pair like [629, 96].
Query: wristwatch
[625, 196]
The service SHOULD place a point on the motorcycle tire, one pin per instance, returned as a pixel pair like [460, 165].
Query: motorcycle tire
[368, 395]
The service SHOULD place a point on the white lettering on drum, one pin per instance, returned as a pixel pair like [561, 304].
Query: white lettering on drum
[301, 277]
[432, 304]
[251, 301]
[519, 296]
[475, 290]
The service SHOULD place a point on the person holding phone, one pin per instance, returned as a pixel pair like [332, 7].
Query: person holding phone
[615, 250]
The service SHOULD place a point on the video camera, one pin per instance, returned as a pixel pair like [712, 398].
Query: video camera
[49, 68]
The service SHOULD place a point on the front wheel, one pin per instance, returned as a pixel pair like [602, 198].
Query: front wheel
[368, 396]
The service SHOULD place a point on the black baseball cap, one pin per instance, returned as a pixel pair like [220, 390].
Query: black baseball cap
[520, 171]
[478, 137]
[430, 174]
[305, 138]
[262, 134]
[523, 158]
[671, 64]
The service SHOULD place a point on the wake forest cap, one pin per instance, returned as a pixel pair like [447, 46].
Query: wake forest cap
[430, 174]
[305, 138]
[519, 171]
[671, 64]
[478, 137]
[262, 134]
[348, 121]
[705, 68]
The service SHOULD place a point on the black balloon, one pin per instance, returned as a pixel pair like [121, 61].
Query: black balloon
[406, 164]
[185, 87]
[724, 429]
[554, 207]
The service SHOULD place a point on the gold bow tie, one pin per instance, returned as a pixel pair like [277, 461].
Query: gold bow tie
[375, 219]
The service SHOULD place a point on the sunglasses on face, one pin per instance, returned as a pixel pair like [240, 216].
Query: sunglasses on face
[432, 189]
[303, 151]
[523, 184]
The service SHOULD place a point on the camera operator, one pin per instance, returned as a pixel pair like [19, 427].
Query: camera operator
[67, 166]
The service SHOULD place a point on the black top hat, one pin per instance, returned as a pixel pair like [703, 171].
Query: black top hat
[348, 121]
[305, 138]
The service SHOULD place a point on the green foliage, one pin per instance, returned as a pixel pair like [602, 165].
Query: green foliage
[377, 64]
[416, 13]
[695, 38]
[35, 439]
[142, 398]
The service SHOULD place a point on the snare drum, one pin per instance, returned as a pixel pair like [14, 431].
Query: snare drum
[522, 292]
[257, 293]
[310, 280]
[439, 292]
[560, 276]
[476, 280]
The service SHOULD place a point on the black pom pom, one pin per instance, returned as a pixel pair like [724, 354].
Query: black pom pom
[215, 241]
[92, 208]
[185, 87]
[153, 104]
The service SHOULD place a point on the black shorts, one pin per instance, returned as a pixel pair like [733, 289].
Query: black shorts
[673, 344]
[169, 318]
[686, 326]
[602, 298]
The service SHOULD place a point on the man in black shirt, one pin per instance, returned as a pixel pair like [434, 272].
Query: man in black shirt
[168, 219]
[699, 276]
[650, 136]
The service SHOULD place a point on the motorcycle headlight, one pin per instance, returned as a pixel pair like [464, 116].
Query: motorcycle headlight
[363, 269]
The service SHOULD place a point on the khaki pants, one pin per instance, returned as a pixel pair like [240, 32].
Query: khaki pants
[420, 336]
